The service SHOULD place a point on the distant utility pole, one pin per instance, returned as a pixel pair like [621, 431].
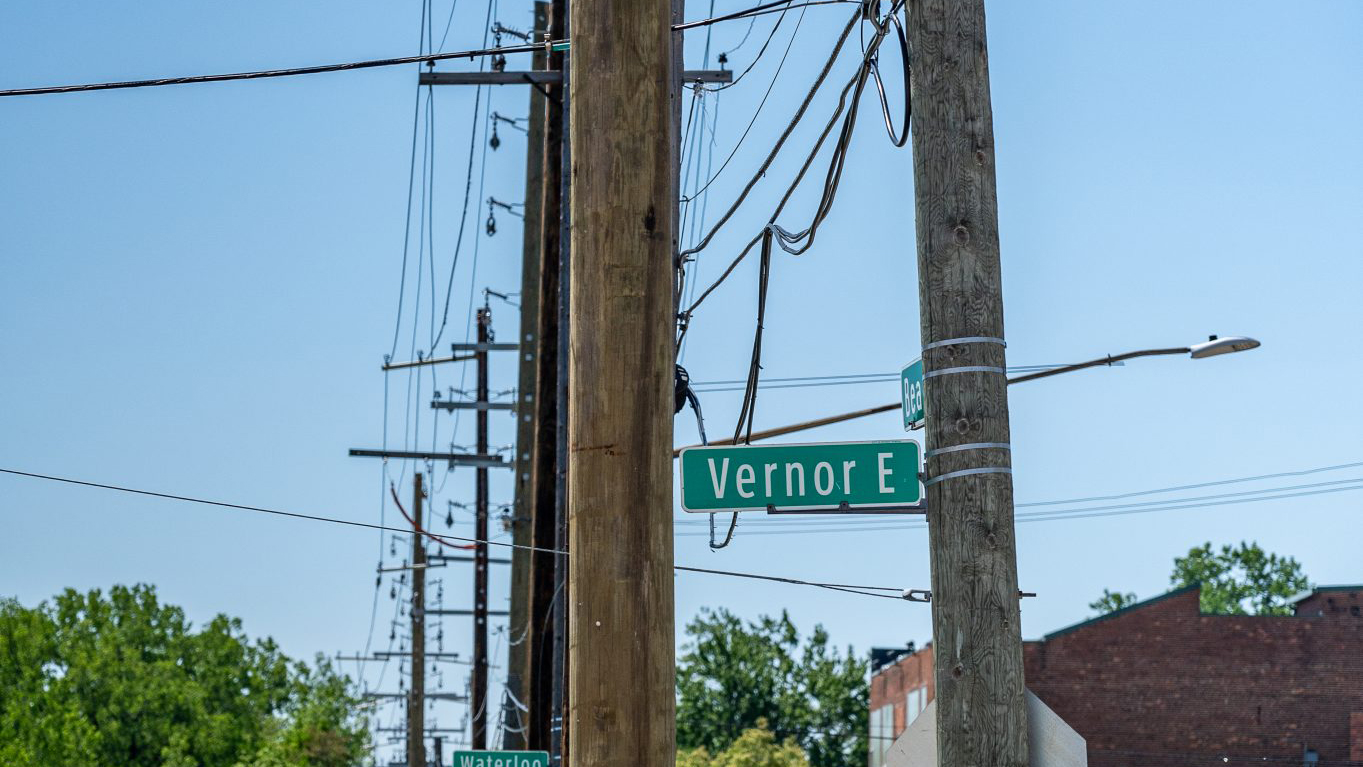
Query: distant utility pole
[621, 706]
[519, 658]
[416, 697]
[981, 715]
[478, 686]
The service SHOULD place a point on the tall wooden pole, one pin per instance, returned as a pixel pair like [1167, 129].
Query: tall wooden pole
[544, 477]
[981, 715]
[621, 708]
[519, 658]
[416, 697]
[478, 687]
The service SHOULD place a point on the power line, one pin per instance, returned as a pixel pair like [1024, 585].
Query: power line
[760, 10]
[374, 63]
[269, 73]
[883, 591]
[1083, 513]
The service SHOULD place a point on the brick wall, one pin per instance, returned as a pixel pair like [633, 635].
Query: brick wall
[892, 685]
[1161, 685]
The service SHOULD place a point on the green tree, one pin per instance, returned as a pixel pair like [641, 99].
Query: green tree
[1244, 580]
[756, 747]
[733, 675]
[122, 679]
[1239, 580]
[1112, 601]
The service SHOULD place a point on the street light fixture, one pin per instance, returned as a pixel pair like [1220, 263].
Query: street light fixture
[1214, 346]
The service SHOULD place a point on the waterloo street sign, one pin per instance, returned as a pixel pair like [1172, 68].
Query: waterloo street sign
[826, 476]
[501, 759]
[911, 395]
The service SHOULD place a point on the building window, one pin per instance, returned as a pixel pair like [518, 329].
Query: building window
[914, 701]
[882, 734]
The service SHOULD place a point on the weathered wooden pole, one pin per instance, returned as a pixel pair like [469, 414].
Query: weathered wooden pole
[621, 707]
[981, 715]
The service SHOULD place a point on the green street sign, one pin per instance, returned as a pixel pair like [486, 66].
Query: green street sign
[501, 759]
[823, 476]
[911, 395]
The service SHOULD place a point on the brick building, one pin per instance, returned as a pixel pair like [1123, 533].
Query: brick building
[1159, 684]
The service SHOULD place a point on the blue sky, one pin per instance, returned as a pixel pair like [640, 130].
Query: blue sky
[200, 282]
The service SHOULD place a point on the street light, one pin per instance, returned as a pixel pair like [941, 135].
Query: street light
[1209, 348]
[1212, 347]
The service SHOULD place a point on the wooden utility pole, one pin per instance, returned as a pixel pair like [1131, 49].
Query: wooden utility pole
[981, 714]
[478, 685]
[621, 707]
[416, 697]
[545, 504]
[519, 658]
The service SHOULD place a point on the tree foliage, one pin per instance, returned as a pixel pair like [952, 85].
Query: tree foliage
[1244, 580]
[733, 676]
[1112, 601]
[122, 679]
[756, 747]
[1239, 580]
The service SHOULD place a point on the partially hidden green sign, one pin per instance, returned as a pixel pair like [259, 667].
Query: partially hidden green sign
[911, 395]
[826, 476]
[501, 759]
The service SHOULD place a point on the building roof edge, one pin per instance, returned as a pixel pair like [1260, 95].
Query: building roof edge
[1129, 608]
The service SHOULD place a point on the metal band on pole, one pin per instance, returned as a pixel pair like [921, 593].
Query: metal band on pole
[965, 340]
[966, 369]
[970, 446]
[966, 473]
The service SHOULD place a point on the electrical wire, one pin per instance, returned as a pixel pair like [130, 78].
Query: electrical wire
[270, 73]
[372, 526]
[468, 187]
[772, 230]
[842, 378]
[1082, 513]
[759, 10]
[1046, 512]
[757, 112]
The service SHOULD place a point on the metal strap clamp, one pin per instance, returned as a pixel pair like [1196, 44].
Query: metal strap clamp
[966, 369]
[966, 473]
[970, 446]
[966, 340]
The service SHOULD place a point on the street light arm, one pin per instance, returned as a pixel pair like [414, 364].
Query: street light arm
[1108, 360]
[832, 419]
[1212, 347]
[778, 431]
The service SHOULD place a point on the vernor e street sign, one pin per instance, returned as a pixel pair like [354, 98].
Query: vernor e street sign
[823, 476]
[501, 759]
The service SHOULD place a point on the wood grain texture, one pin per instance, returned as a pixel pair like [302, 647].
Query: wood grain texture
[981, 715]
[543, 475]
[621, 707]
[519, 660]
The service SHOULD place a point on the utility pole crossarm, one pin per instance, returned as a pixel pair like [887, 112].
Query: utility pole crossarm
[547, 77]
[454, 459]
[443, 404]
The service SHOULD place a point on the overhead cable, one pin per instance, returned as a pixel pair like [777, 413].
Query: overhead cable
[268, 73]
[887, 591]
